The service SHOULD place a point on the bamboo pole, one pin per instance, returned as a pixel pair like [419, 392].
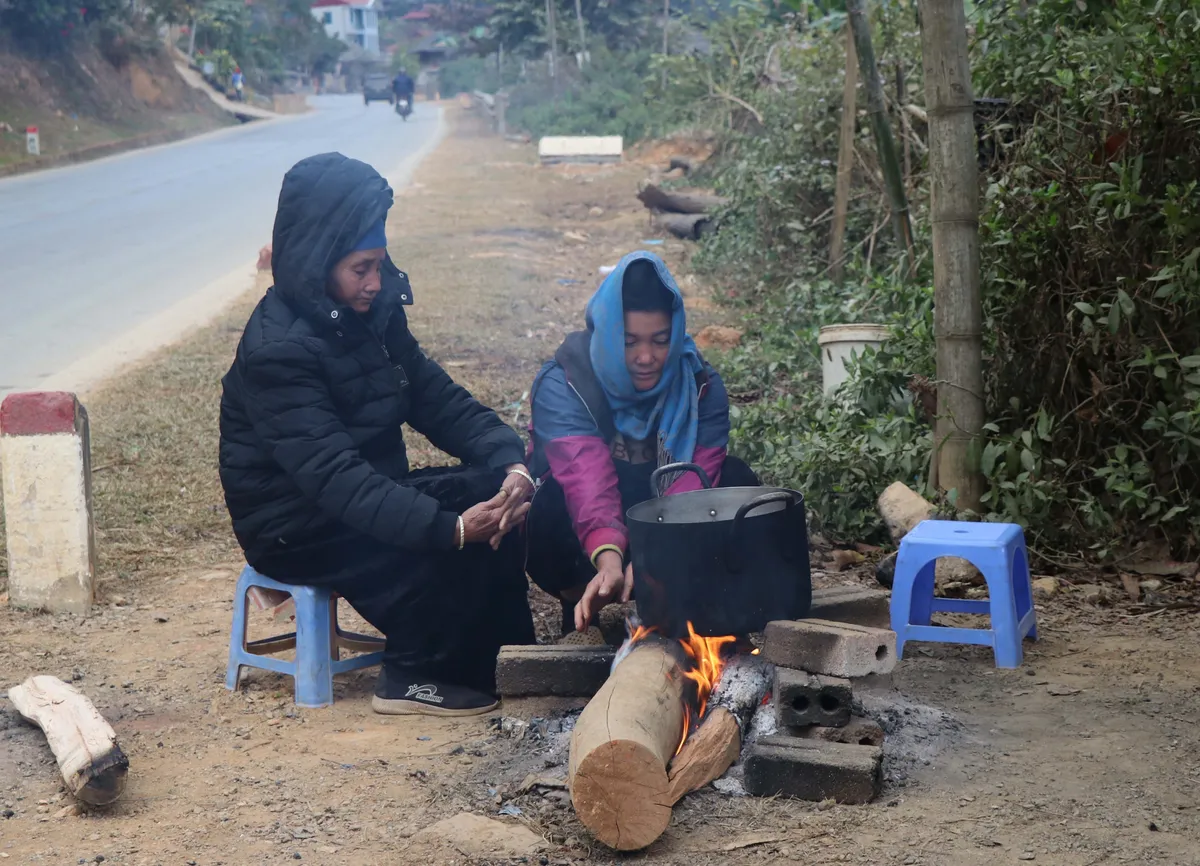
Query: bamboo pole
[666, 45]
[885, 144]
[958, 316]
[845, 168]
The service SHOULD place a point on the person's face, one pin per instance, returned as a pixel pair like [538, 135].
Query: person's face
[355, 280]
[647, 345]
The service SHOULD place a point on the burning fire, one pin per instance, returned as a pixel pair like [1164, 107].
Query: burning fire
[704, 666]
[707, 664]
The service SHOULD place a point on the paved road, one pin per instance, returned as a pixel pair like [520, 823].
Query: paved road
[89, 251]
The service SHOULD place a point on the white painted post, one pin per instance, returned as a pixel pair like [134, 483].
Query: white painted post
[32, 141]
[45, 461]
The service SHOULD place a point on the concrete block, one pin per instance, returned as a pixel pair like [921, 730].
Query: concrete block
[556, 671]
[836, 649]
[857, 604]
[45, 461]
[857, 732]
[807, 699]
[580, 148]
[813, 770]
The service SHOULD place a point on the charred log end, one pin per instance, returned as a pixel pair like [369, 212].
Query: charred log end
[621, 794]
[103, 780]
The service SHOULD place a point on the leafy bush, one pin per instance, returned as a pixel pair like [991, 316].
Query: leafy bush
[465, 74]
[1090, 235]
[606, 97]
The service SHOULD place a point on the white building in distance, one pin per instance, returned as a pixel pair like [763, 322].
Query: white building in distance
[355, 22]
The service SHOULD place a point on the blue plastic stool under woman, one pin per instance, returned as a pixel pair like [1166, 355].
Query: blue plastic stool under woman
[317, 641]
[998, 551]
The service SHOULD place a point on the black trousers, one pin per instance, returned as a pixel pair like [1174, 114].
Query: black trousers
[556, 560]
[445, 614]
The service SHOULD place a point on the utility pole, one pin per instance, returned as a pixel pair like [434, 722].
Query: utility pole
[957, 315]
[885, 144]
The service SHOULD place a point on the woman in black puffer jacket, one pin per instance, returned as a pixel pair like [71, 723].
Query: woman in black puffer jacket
[314, 466]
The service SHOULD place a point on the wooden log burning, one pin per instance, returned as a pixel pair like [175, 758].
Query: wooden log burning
[716, 744]
[621, 746]
[92, 764]
[624, 773]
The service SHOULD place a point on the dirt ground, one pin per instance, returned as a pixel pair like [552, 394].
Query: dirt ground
[1087, 755]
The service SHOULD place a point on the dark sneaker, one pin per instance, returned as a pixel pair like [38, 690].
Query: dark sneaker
[425, 697]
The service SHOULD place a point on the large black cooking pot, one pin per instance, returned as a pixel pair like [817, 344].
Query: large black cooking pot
[729, 560]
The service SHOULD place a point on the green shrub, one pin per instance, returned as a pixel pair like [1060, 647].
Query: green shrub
[607, 97]
[1091, 237]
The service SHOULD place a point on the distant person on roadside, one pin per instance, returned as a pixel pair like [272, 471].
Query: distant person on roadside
[314, 465]
[403, 86]
[620, 399]
[239, 84]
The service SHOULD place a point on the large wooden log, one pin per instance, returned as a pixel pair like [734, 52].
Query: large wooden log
[621, 746]
[656, 198]
[92, 764]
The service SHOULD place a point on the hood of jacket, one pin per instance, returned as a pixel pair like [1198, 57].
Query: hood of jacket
[327, 203]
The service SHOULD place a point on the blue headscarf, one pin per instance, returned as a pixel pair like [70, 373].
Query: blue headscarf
[375, 238]
[671, 407]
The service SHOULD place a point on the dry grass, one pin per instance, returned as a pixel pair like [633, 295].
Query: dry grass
[502, 254]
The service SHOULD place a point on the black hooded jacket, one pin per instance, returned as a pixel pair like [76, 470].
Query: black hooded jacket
[312, 407]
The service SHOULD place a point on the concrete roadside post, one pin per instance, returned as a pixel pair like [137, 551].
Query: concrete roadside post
[33, 141]
[47, 496]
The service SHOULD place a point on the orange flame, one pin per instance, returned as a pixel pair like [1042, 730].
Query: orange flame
[704, 666]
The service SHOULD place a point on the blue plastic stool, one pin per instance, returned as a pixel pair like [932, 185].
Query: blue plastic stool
[317, 641]
[998, 551]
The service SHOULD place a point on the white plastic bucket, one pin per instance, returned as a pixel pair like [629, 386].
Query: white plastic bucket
[837, 342]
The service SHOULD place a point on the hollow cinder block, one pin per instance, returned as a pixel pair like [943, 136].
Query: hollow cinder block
[802, 699]
[856, 604]
[857, 732]
[552, 671]
[836, 649]
[813, 770]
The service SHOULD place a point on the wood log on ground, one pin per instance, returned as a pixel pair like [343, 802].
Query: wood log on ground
[656, 198]
[621, 745]
[92, 764]
[690, 227]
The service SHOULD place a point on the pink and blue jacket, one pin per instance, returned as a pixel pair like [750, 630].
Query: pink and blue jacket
[586, 465]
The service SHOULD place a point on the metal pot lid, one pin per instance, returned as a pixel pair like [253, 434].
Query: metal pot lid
[715, 505]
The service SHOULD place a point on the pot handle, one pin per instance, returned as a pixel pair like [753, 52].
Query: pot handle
[705, 481]
[732, 561]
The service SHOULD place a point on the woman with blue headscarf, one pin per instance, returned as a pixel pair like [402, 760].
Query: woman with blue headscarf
[314, 466]
[627, 395]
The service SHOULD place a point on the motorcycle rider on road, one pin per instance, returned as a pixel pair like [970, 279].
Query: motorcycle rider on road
[403, 86]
